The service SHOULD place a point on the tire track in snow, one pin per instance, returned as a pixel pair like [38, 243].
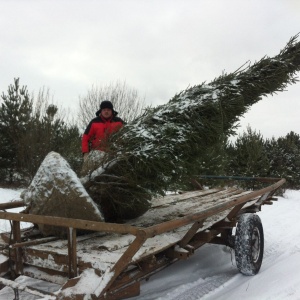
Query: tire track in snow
[199, 290]
[272, 251]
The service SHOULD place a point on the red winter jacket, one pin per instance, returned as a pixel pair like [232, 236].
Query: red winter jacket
[97, 132]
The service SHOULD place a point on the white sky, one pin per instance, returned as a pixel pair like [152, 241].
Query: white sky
[158, 47]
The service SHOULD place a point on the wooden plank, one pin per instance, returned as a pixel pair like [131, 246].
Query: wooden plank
[66, 222]
[72, 252]
[189, 206]
[46, 274]
[12, 204]
[166, 200]
[34, 242]
[217, 208]
[46, 259]
[18, 252]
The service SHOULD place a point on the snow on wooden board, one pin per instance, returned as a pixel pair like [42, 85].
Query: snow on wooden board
[164, 201]
[174, 207]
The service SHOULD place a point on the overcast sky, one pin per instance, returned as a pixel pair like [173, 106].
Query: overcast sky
[159, 47]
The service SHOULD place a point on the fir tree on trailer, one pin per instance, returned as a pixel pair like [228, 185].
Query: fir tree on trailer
[160, 149]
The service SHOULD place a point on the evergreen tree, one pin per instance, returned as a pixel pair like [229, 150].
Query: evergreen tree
[284, 157]
[29, 129]
[71, 146]
[15, 113]
[48, 132]
[214, 161]
[249, 157]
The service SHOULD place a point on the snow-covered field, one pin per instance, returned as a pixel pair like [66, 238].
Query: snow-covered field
[211, 273]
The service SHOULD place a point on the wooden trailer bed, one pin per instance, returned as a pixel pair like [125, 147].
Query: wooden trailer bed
[119, 256]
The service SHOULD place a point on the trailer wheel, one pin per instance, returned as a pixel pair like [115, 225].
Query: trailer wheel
[249, 244]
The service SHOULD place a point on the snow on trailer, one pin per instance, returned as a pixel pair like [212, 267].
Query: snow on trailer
[110, 262]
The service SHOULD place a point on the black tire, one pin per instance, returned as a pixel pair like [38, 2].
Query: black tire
[249, 244]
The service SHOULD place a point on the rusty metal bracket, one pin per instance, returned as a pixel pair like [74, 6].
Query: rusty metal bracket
[189, 235]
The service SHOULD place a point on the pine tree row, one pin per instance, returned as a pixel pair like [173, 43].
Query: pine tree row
[29, 129]
[250, 155]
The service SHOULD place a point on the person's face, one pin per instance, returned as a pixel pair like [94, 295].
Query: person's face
[106, 113]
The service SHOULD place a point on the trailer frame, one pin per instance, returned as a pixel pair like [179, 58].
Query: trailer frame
[123, 279]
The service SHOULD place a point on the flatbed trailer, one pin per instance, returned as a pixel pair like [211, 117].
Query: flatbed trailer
[112, 260]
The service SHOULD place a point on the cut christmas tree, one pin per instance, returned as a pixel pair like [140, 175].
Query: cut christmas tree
[159, 150]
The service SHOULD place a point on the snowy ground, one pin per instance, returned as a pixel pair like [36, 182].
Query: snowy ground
[211, 273]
